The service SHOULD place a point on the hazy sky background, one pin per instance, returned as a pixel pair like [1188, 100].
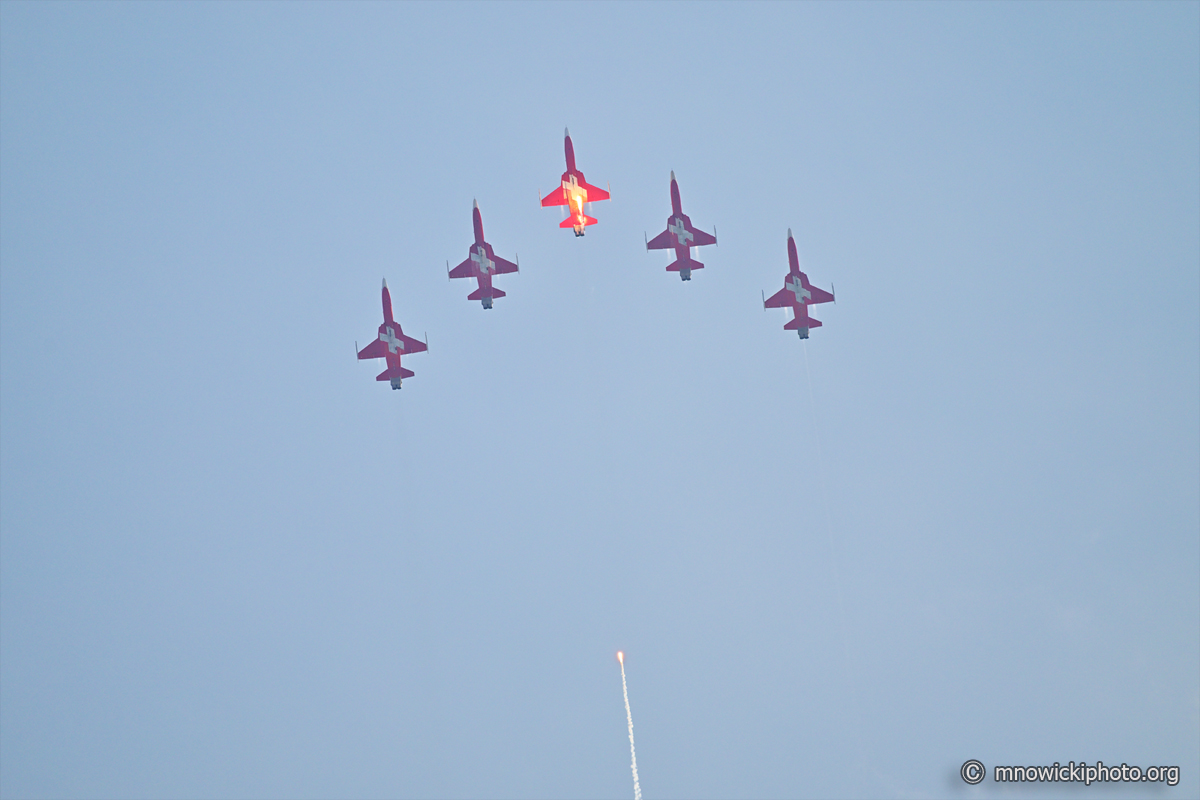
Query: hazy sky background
[234, 565]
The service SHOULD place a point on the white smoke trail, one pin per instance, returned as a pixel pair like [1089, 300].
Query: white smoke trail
[637, 789]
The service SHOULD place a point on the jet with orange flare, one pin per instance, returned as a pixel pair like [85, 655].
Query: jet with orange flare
[574, 193]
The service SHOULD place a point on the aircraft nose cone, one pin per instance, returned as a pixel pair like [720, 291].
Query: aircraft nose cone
[385, 283]
[672, 175]
[475, 203]
[789, 233]
[566, 132]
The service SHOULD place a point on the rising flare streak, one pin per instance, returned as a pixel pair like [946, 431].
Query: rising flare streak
[637, 789]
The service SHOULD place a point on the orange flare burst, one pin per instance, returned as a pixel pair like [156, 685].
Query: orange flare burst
[621, 657]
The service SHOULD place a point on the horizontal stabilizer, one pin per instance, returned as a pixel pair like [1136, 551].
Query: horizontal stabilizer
[799, 323]
[684, 263]
[573, 220]
[481, 293]
[398, 372]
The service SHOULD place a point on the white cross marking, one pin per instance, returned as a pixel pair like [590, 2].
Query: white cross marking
[797, 288]
[486, 265]
[575, 192]
[676, 227]
[393, 344]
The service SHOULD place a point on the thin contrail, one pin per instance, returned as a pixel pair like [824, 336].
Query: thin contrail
[637, 789]
[835, 557]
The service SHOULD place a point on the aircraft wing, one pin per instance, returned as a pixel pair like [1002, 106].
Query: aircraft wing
[463, 270]
[781, 299]
[411, 345]
[700, 237]
[667, 239]
[376, 349]
[556, 198]
[503, 266]
[664, 241]
[820, 295]
[595, 193]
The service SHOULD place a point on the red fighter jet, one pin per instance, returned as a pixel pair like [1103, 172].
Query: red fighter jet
[482, 264]
[391, 344]
[798, 293]
[574, 193]
[681, 236]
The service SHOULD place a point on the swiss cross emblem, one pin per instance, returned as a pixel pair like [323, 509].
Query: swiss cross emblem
[486, 265]
[394, 344]
[683, 234]
[796, 287]
[574, 191]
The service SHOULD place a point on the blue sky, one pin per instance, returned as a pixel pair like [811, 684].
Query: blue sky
[961, 521]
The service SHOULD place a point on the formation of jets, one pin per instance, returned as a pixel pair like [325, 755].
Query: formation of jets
[576, 194]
